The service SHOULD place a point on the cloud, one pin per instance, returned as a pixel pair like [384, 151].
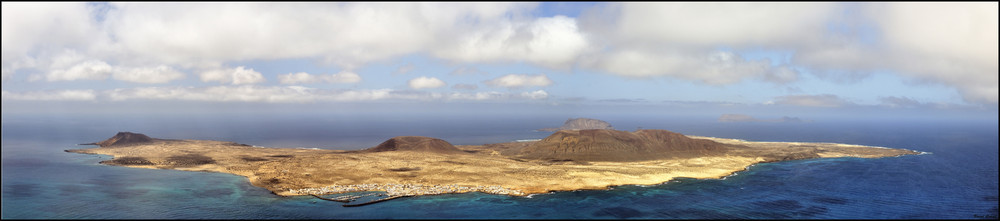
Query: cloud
[683, 40]
[707, 25]
[30, 27]
[492, 95]
[549, 41]
[822, 100]
[343, 77]
[345, 34]
[425, 82]
[716, 68]
[465, 86]
[245, 93]
[53, 95]
[87, 70]
[70, 65]
[953, 44]
[948, 43]
[298, 78]
[235, 76]
[299, 94]
[539, 94]
[206, 35]
[519, 81]
[147, 75]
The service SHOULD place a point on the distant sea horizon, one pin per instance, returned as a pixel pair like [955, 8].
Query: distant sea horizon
[958, 179]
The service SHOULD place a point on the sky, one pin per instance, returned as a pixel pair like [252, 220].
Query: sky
[760, 59]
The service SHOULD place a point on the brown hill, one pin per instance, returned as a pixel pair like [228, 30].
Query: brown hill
[581, 124]
[125, 139]
[614, 145]
[416, 143]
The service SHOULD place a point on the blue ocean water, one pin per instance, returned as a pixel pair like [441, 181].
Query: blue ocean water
[957, 180]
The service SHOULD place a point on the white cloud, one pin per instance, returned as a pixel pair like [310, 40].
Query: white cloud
[425, 82]
[245, 93]
[822, 100]
[948, 43]
[682, 39]
[520, 80]
[207, 34]
[297, 78]
[344, 77]
[955, 44]
[306, 78]
[235, 76]
[550, 41]
[708, 25]
[493, 95]
[718, 67]
[535, 95]
[345, 34]
[54, 95]
[87, 70]
[70, 65]
[148, 75]
[299, 94]
[31, 27]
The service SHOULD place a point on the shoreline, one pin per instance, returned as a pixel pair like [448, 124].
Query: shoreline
[478, 168]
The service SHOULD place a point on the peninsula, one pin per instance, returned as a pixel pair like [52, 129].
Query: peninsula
[591, 159]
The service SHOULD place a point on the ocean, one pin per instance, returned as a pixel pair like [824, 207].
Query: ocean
[956, 180]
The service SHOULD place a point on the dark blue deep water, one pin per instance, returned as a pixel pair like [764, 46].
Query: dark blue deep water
[958, 179]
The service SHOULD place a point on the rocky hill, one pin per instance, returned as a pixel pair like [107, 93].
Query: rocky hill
[614, 145]
[581, 124]
[415, 143]
[125, 139]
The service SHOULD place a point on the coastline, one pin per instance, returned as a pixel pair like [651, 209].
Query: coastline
[303, 172]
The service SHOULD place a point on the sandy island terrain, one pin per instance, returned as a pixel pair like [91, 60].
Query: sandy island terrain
[410, 166]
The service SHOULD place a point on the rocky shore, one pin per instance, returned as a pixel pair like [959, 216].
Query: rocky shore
[393, 189]
[414, 166]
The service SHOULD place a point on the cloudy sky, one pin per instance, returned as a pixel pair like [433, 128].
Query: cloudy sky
[782, 56]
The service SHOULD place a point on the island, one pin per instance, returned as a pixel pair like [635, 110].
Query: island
[581, 124]
[585, 159]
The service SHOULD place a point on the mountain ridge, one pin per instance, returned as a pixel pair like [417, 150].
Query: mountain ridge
[615, 145]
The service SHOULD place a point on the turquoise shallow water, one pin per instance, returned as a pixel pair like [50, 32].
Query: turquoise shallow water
[957, 180]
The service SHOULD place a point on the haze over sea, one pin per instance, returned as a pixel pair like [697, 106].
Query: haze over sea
[958, 179]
